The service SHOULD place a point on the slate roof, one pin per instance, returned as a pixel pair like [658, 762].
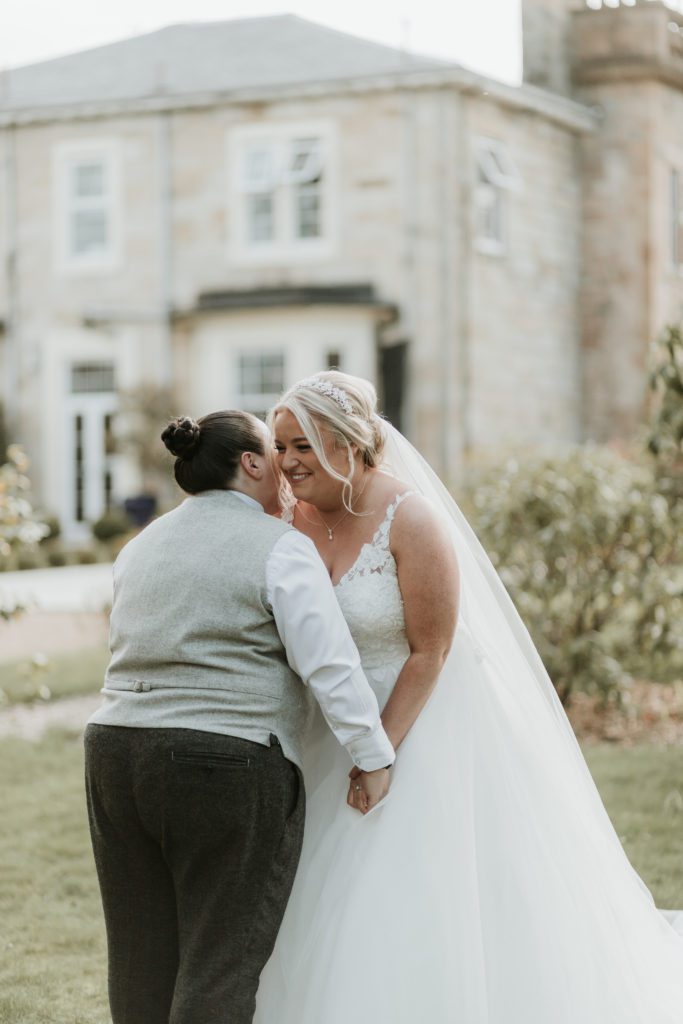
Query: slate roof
[206, 57]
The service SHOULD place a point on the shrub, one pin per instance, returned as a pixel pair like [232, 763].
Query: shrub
[57, 557]
[30, 558]
[145, 411]
[665, 441]
[20, 528]
[591, 553]
[113, 523]
[85, 556]
[54, 527]
[19, 525]
[666, 382]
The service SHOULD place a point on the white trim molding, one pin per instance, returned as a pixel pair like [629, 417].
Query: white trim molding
[282, 192]
[88, 217]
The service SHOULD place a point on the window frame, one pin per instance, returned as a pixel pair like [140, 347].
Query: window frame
[492, 160]
[68, 156]
[256, 402]
[287, 185]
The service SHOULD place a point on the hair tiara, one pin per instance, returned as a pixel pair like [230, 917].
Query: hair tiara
[324, 387]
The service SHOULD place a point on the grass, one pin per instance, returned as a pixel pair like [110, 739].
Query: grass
[52, 963]
[64, 675]
[51, 936]
[642, 788]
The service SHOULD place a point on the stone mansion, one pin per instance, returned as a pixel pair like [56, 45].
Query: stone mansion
[224, 208]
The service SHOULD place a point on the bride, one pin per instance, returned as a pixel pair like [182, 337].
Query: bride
[489, 886]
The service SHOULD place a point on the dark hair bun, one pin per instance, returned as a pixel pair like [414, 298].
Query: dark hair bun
[182, 437]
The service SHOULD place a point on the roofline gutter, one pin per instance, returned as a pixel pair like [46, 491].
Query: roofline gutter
[569, 113]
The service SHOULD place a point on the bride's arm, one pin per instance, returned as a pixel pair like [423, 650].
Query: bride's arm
[429, 582]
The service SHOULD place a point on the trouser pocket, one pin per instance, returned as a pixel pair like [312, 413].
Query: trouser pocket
[209, 759]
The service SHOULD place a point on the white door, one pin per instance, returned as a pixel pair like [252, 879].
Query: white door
[90, 407]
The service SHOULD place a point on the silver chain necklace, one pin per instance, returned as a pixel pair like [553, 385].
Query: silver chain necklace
[331, 529]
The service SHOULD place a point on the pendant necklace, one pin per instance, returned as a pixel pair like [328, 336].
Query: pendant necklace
[331, 529]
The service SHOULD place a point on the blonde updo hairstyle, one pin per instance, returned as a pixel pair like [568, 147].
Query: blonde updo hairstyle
[361, 427]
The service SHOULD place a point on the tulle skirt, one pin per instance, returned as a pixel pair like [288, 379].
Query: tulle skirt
[488, 888]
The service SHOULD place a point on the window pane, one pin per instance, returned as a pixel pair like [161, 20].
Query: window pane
[482, 176]
[79, 470]
[489, 214]
[259, 168]
[250, 377]
[260, 217]
[262, 373]
[495, 165]
[88, 180]
[273, 374]
[301, 153]
[92, 378]
[88, 231]
[257, 163]
[308, 213]
[305, 162]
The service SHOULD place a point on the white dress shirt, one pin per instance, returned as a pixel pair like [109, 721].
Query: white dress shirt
[320, 648]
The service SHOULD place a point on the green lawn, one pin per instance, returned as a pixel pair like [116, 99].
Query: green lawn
[52, 968]
[64, 675]
[51, 933]
[642, 789]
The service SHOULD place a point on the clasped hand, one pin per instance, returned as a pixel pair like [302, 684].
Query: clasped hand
[366, 789]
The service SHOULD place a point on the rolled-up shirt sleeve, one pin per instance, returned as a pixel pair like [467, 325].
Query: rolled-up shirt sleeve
[320, 649]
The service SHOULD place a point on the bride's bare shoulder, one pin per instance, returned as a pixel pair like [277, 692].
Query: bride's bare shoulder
[417, 523]
[390, 487]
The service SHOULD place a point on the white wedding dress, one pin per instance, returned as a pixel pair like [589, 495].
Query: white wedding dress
[489, 886]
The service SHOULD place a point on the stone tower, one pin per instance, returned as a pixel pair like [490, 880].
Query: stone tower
[546, 28]
[627, 62]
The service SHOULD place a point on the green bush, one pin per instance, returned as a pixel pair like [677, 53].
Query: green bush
[85, 556]
[54, 527]
[113, 523]
[20, 526]
[592, 554]
[666, 382]
[21, 530]
[30, 558]
[57, 557]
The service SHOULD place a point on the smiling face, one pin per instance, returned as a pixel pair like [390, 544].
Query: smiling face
[297, 460]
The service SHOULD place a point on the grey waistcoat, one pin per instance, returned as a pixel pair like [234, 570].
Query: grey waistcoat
[191, 615]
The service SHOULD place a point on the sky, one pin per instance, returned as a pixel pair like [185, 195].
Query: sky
[481, 34]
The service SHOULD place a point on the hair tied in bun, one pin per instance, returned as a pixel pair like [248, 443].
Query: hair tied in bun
[182, 437]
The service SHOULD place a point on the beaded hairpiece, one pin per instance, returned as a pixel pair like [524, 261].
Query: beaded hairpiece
[324, 387]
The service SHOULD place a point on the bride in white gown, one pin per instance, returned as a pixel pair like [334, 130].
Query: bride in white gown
[489, 887]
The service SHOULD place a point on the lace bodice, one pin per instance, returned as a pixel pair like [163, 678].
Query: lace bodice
[370, 598]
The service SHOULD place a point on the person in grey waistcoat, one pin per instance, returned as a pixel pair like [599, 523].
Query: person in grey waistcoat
[224, 624]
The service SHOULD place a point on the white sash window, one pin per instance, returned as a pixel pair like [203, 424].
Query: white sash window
[87, 206]
[282, 199]
[258, 184]
[496, 177]
[261, 377]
